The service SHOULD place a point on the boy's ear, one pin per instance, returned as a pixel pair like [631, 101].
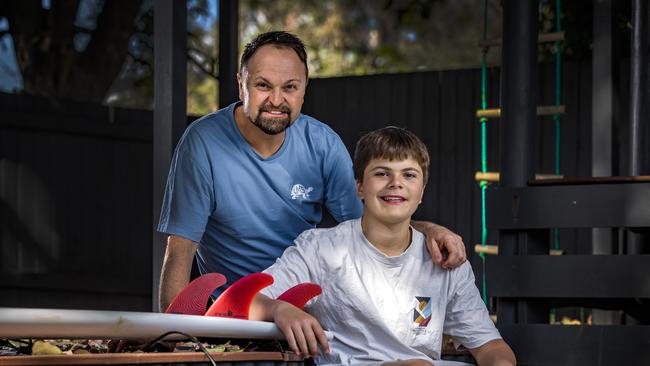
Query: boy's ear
[359, 189]
[422, 194]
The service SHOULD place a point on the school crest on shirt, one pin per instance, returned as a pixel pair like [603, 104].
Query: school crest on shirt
[422, 312]
[299, 191]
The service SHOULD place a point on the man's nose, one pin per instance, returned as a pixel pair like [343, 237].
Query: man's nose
[276, 98]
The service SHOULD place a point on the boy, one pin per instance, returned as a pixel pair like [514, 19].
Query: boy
[382, 299]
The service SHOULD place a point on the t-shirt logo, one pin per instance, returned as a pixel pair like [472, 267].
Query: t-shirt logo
[422, 311]
[299, 191]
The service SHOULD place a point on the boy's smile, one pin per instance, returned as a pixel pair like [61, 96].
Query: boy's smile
[391, 190]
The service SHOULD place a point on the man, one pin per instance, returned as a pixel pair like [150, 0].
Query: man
[248, 179]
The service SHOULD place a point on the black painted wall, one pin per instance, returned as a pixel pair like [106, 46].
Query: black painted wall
[75, 179]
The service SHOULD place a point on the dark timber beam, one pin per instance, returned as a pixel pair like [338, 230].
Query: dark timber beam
[170, 108]
[518, 96]
[593, 345]
[638, 73]
[518, 106]
[569, 276]
[228, 51]
[573, 206]
[602, 112]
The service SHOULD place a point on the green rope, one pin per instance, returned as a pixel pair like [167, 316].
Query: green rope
[483, 121]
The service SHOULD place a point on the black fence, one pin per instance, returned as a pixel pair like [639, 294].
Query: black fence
[75, 205]
[75, 179]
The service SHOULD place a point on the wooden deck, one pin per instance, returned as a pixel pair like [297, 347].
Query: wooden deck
[154, 358]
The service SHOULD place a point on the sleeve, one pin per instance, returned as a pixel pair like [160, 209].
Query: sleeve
[467, 320]
[189, 195]
[340, 188]
[298, 264]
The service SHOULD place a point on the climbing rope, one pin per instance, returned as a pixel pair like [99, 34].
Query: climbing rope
[483, 120]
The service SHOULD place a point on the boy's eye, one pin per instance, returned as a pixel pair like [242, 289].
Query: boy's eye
[410, 175]
[381, 174]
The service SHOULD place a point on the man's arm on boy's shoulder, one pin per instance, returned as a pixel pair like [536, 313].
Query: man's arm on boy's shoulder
[494, 353]
[302, 330]
[439, 239]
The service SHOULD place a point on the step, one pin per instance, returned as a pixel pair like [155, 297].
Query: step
[494, 250]
[549, 110]
[569, 276]
[569, 206]
[541, 38]
[494, 176]
[596, 345]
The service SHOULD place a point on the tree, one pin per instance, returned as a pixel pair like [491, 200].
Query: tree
[103, 50]
[58, 57]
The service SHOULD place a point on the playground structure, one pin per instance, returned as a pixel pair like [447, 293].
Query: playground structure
[525, 279]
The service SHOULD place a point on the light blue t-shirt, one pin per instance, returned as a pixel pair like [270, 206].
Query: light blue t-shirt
[245, 210]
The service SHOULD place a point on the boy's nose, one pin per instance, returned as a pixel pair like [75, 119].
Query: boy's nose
[395, 182]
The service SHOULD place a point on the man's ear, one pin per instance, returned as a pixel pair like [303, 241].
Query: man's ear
[240, 86]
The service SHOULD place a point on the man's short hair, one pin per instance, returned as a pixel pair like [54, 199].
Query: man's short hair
[278, 39]
[390, 143]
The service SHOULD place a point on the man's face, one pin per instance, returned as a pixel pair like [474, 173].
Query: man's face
[391, 190]
[272, 88]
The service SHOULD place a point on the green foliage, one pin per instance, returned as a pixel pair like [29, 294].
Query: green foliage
[355, 37]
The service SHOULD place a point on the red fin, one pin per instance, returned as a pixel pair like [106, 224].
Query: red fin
[299, 294]
[236, 300]
[193, 299]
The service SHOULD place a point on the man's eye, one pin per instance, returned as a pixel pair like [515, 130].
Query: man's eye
[262, 85]
[290, 87]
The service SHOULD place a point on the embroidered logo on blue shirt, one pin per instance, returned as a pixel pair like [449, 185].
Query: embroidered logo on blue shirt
[299, 191]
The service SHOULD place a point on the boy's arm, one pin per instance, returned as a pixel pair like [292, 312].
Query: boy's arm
[494, 353]
[303, 331]
[440, 238]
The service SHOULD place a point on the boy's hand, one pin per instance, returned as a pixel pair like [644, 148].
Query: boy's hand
[302, 330]
[441, 240]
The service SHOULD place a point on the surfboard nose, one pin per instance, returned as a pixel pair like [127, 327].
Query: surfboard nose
[299, 294]
[193, 299]
[236, 300]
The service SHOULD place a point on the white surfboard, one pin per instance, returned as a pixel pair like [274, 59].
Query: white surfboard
[94, 324]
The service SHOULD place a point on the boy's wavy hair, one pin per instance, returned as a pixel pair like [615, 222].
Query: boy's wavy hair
[390, 143]
[278, 39]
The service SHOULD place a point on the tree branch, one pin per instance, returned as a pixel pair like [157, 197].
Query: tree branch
[198, 64]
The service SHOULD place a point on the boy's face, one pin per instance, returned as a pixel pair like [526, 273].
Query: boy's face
[391, 190]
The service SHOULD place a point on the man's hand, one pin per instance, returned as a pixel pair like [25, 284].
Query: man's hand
[440, 241]
[176, 269]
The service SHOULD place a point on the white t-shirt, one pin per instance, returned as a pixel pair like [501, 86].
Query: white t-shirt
[382, 308]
